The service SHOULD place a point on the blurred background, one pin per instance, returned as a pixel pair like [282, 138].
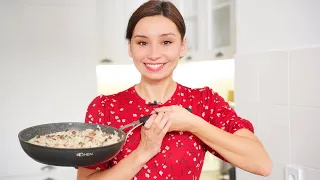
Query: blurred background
[57, 55]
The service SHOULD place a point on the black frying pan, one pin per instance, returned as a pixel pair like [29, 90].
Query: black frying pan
[73, 157]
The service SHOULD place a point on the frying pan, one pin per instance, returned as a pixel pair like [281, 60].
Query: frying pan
[74, 157]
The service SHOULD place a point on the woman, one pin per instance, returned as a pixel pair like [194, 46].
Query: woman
[173, 142]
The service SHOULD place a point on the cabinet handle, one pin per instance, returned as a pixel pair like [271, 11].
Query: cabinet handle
[49, 178]
[189, 58]
[219, 54]
[48, 168]
[106, 61]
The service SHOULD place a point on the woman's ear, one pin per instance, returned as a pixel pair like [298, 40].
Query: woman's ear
[129, 48]
[183, 47]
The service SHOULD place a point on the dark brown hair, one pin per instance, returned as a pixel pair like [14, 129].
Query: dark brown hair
[154, 8]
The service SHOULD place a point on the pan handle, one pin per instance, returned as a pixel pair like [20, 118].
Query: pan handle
[136, 123]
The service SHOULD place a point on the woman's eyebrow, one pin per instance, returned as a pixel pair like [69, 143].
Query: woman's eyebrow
[141, 36]
[164, 34]
[168, 34]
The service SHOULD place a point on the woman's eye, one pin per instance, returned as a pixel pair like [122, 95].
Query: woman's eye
[167, 42]
[142, 43]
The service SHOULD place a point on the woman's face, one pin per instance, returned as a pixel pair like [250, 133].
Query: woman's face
[156, 47]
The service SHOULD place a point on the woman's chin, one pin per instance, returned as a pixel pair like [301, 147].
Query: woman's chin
[156, 76]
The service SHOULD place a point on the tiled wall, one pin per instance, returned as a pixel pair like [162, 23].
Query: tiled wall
[277, 81]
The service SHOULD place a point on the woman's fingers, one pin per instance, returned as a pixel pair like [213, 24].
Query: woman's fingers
[161, 125]
[156, 121]
[150, 121]
[166, 128]
[153, 132]
[156, 124]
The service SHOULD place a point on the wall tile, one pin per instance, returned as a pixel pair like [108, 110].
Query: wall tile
[278, 172]
[305, 77]
[250, 112]
[305, 136]
[302, 30]
[244, 175]
[276, 28]
[246, 78]
[269, 31]
[311, 174]
[274, 130]
[273, 78]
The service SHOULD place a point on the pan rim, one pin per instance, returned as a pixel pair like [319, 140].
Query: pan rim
[71, 149]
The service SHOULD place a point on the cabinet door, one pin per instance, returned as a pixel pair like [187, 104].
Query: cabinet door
[61, 173]
[222, 29]
[189, 11]
[64, 173]
[27, 177]
[112, 21]
[210, 27]
[111, 31]
[195, 14]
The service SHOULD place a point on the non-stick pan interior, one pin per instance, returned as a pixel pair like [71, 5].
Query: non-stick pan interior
[43, 129]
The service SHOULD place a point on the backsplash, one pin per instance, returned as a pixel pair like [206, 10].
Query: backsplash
[219, 75]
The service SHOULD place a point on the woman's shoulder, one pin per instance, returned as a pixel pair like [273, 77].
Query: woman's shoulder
[103, 99]
[99, 108]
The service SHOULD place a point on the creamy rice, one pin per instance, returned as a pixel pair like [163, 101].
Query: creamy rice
[76, 139]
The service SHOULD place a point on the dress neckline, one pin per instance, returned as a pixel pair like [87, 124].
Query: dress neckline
[141, 100]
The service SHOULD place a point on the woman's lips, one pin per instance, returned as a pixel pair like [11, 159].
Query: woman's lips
[154, 67]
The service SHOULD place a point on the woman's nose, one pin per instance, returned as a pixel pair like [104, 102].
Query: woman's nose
[154, 53]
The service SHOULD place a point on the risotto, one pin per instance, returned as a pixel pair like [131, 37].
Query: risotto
[76, 139]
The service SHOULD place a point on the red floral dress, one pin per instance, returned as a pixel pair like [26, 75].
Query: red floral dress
[182, 153]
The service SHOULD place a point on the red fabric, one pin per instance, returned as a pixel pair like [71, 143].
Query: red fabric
[182, 154]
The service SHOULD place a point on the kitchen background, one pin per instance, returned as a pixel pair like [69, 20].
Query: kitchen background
[55, 57]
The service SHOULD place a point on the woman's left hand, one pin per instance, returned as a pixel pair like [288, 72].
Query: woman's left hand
[180, 117]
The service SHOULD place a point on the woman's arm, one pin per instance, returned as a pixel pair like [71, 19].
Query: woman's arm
[125, 169]
[152, 134]
[242, 149]
[222, 130]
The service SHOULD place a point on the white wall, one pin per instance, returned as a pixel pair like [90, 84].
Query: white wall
[277, 80]
[47, 71]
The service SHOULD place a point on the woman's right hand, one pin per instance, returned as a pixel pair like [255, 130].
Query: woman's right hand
[152, 134]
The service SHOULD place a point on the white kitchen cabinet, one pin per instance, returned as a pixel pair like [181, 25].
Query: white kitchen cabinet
[210, 28]
[64, 174]
[111, 31]
[223, 29]
[47, 71]
[61, 173]
[112, 20]
[26, 177]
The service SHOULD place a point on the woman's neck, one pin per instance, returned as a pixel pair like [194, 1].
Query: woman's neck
[160, 91]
